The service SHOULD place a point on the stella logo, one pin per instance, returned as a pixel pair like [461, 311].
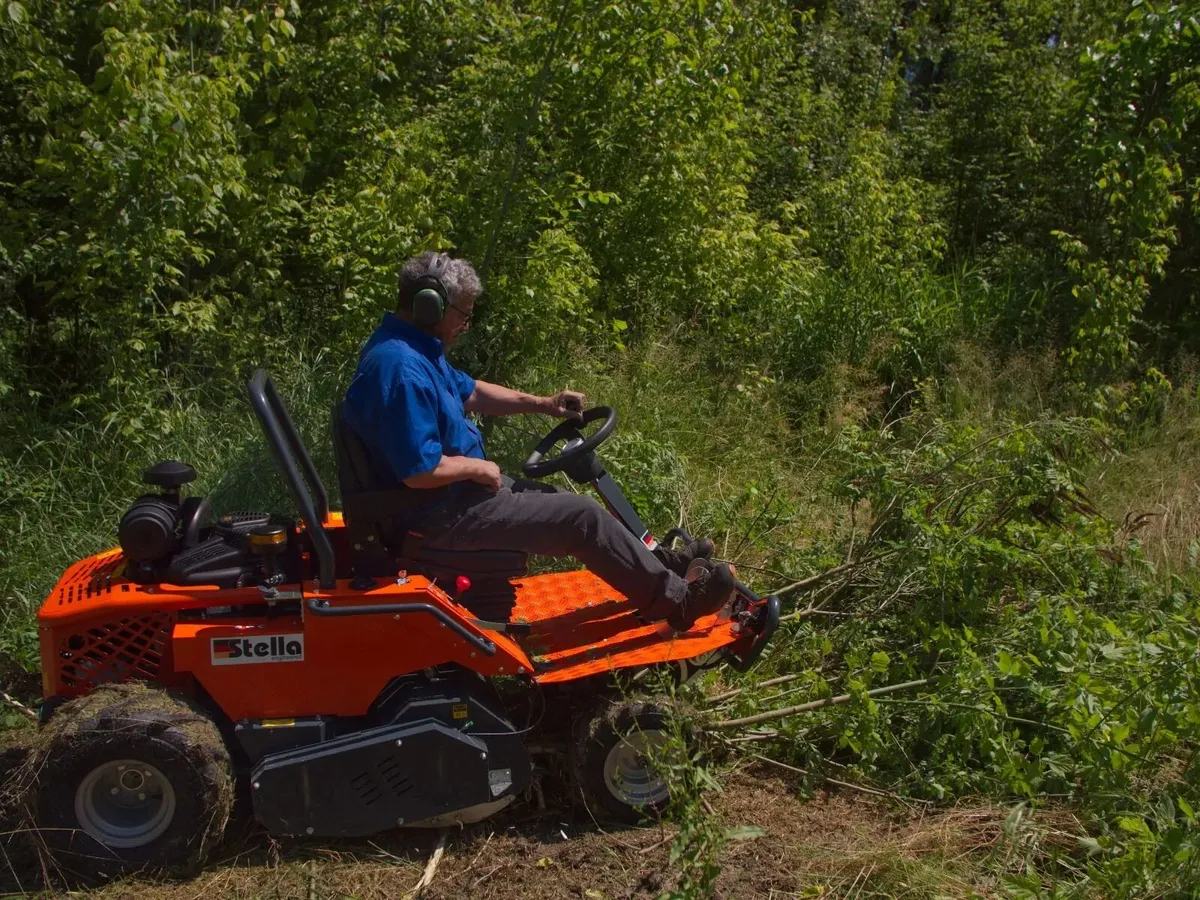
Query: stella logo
[231, 651]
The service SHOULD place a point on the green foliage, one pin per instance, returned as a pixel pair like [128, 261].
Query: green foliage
[191, 191]
[774, 237]
[1141, 95]
[122, 171]
[1066, 665]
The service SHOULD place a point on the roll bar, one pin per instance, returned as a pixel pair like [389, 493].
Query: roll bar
[287, 448]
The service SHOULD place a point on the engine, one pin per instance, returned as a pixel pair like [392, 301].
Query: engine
[168, 538]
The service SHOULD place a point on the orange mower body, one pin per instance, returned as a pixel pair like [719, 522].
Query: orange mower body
[349, 678]
[97, 627]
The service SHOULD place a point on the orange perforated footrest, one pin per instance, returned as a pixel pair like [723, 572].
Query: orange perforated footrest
[580, 626]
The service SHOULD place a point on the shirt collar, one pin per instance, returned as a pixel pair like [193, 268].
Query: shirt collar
[426, 344]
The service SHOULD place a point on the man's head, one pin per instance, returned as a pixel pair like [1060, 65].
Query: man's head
[462, 290]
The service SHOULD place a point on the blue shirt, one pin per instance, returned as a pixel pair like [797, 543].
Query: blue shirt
[406, 402]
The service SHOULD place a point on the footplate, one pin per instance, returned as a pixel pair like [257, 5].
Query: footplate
[574, 625]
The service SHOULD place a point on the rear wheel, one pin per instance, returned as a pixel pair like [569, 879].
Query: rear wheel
[132, 778]
[615, 758]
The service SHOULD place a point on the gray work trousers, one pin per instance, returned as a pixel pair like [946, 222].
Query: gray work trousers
[535, 518]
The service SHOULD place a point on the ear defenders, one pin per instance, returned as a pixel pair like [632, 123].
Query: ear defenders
[429, 299]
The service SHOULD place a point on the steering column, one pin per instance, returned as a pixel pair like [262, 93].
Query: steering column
[578, 461]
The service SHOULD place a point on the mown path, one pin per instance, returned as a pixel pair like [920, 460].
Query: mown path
[830, 845]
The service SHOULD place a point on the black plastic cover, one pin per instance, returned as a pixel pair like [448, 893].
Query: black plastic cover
[148, 531]
[213, 561]
[258, 737]
[169, 474]
[371, 781]
[464, 701]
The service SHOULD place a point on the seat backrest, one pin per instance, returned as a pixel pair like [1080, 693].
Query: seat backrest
[366, 498]
[354, 471]
[297, 468]
[374, 515]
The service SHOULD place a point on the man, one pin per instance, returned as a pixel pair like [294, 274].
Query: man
[408, 405]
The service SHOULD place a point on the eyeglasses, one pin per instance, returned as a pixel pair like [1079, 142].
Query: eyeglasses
[467, 316]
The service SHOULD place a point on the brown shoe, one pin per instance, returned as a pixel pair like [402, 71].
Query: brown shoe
[679, 560]
[705, 596]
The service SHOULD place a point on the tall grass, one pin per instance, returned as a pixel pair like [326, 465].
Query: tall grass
[66, 486]
[1153, 487]
[774, 469]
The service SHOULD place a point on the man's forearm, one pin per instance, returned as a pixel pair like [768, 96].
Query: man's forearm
[449, 470]
[497, 400]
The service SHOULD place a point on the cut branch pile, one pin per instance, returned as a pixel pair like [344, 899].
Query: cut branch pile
[773, 714]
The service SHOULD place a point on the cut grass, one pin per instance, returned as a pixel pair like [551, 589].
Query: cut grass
[832, 845]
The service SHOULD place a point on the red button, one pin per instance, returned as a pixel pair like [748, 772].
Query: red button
[462, 584]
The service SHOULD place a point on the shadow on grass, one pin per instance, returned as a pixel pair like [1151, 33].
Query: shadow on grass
[259, 862]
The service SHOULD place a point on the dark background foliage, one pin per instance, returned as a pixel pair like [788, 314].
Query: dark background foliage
[909, 283]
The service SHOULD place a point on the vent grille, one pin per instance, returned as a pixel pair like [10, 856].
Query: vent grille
[239, 523]
[128, 649]
[393, 776]
[90, 578]
[368, 790]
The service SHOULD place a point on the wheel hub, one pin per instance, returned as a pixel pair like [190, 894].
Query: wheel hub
[125, 803]
[629, 771]
[132, 780]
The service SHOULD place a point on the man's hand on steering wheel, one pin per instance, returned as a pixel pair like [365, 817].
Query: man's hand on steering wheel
[565, 405]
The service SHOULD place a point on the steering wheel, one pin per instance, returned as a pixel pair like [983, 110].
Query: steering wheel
[577, 445]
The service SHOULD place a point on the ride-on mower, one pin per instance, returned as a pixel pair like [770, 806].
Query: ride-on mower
[346, 678]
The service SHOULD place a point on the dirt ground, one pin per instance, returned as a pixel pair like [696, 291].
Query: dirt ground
[832, 845]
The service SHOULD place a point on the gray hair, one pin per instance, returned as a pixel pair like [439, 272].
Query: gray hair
[458, 275]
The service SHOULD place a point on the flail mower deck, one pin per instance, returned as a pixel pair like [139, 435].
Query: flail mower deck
[351, 679]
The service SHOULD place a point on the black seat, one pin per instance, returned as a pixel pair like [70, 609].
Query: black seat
[380, 547]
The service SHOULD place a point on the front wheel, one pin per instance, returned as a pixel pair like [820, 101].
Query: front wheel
[616, 758]
[132, 778]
